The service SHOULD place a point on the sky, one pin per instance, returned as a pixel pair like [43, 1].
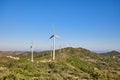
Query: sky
[90, 24]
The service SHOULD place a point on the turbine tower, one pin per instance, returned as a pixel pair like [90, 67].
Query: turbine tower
[32, 52]
[53, 37]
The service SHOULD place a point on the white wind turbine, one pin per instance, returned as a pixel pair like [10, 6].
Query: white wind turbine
[32, 47]
[54, 38]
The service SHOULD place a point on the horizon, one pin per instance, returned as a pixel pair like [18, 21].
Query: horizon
[92, 25]
[96, 51]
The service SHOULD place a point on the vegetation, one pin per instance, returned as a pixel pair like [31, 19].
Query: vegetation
[70, 64]
[112, 54]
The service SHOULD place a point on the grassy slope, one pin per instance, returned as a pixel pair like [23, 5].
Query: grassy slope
[70, 63]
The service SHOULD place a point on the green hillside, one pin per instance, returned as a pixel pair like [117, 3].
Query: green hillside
[112, 54]
[70, 64]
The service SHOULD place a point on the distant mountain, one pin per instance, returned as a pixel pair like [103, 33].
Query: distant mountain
[113, 54]
[9, 53]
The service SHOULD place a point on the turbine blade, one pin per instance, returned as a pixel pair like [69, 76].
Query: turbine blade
[57, 36]
[53, 29]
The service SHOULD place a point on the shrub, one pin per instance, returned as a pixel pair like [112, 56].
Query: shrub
[51, 65]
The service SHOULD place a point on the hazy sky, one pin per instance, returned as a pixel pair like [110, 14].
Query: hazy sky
[91, 24]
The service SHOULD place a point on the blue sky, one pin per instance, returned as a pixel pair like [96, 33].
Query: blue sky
[91, 24]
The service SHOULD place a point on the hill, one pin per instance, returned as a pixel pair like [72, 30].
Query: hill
[9, 53]
[112, 54]
[70, 64]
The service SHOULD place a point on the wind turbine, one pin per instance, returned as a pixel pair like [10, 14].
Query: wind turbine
[54, 38]
[32, 52]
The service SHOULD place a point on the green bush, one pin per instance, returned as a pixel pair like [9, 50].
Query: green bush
[51, 65]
